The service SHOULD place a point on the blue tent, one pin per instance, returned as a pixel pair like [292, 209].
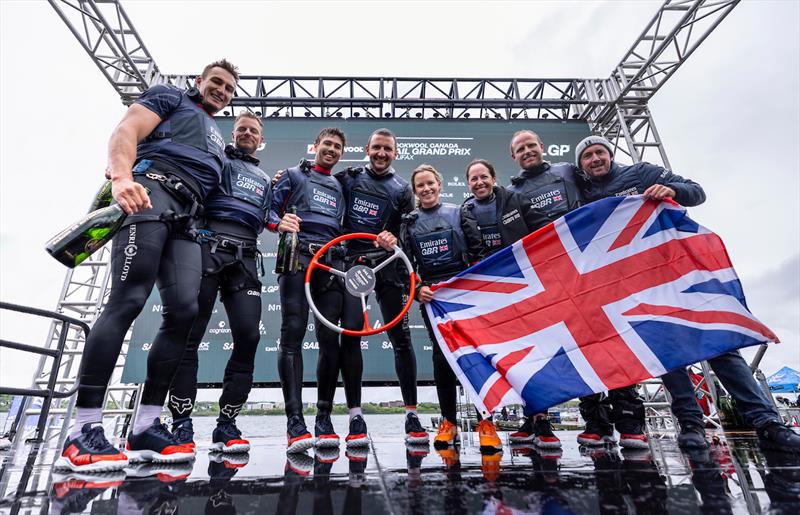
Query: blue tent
[785, 380]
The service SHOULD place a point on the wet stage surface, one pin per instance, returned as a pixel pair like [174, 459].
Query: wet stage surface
[734, 476]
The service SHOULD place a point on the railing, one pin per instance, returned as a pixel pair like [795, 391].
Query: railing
[49, 393]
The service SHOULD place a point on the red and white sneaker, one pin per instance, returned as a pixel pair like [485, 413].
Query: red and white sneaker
[525, 433]
[324, 432]
[415, 433]
[543, 433]
[593, 438]
[156, 444]
[228, 439]
[633, 440]
[183, 431]
[90, 452]
[298, 438]
[357, 435]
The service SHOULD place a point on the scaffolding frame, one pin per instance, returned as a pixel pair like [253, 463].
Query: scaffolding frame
[616, 107]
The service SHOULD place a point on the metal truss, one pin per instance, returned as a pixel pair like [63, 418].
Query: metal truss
[672, 35]
[104, 30]
[328, 97]
[616, 107]
[83, 296]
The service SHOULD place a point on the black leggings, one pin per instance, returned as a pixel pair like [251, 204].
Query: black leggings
[241, 296]
[143, 254]
[443, 375]
[327, 292]
[392, 296]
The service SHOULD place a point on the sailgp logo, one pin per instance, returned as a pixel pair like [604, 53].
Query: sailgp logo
[129, 251]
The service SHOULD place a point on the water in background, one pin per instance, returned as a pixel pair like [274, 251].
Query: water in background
[271, 425]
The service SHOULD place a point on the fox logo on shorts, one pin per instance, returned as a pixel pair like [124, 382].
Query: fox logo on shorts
[181, 406]
[230, 411]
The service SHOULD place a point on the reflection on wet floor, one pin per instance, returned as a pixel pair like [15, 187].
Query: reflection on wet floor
[733, 476]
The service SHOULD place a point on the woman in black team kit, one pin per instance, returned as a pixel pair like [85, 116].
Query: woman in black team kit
[492, 219]
[317, 197]
[432, 238]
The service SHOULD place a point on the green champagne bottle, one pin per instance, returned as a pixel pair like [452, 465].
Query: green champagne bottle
[102, 198]
[80, 240]
[288, 256]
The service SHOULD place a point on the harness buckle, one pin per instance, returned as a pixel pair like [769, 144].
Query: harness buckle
[156, 177]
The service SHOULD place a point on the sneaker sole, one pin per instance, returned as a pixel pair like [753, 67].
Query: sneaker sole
[521, 439]
[547, 445]
[300, 446]
[236, 448]
[358, 442]
[597, 443]
[417, 439]
[634, 444]
[327, 442]
[63, 463]
[156, 457]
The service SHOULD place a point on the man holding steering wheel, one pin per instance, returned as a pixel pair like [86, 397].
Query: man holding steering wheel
[318, 202]
[376, 199]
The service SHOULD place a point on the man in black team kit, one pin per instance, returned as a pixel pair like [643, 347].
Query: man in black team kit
[235, 214]
[167, 142]
[552, 189]
[376, 199]
[594, 155]
[317, 199]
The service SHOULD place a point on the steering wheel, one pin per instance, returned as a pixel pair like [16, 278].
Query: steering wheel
[360, 282]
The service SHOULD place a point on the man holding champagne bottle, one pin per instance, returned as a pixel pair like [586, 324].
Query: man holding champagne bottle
[235, 214]
[307, 202]
[168, 143]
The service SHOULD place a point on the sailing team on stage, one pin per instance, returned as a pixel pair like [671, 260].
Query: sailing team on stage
[194, 237]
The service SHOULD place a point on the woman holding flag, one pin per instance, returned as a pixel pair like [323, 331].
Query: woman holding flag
[492, 219]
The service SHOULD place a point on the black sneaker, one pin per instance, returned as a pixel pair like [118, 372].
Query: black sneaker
[597, 434]
[525, 433]
[156, 444]
[357, 436]
[415, 433]
[778, 437]
[90, 452]
[543, 433]
[323, 430]
[692, 436]
[183, 431]
[228, 439]
[297, 435]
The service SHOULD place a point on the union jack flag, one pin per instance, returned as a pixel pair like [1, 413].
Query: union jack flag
[609, 295]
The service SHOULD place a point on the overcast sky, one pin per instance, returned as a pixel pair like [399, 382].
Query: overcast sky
[729, 118]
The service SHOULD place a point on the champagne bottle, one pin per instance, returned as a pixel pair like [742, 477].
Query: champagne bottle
[80, 240]
[102, 198]
[287, 259]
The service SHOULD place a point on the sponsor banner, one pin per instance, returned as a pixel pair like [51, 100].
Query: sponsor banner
[447, 145]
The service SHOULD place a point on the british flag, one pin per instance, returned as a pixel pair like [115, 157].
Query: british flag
[611, 294]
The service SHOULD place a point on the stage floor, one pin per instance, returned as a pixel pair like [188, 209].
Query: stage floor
[735, 476]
